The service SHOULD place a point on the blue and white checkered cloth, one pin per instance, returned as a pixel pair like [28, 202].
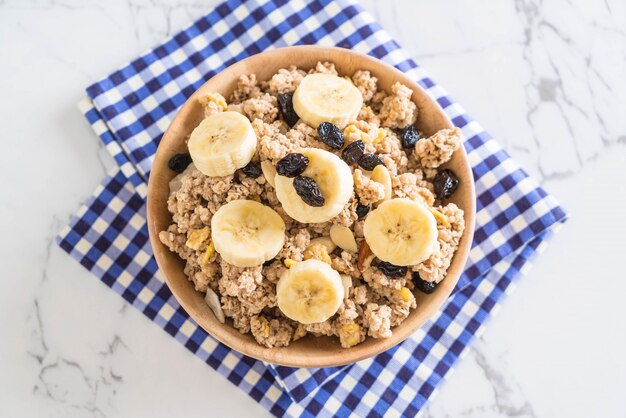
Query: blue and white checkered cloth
[130, 110]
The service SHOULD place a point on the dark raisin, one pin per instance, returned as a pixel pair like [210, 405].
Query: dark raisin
[369, 161]
[285, 104]
[309, 191]
[423, 285]
[269, 262]
[252, 170]
[292, 165]
[179, 162]
[446, 183]
[362, 210]
[409, 136]
[353, 152]
[391, 270]
[331, 135]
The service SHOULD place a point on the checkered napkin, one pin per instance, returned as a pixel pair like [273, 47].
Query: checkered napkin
[130, 110]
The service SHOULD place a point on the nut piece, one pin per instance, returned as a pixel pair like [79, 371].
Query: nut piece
[269, 171]
[380, 174]
[365, 257]
[347, 284]
[344, 238]
[213, 301]
[326, 242]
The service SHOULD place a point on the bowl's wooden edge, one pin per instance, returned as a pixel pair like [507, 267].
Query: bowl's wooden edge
[280, 356]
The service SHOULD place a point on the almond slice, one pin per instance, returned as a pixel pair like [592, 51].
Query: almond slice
[344, 238]
[213, 301]
[381, 175]
[326, 242]
[269, 171]
[347, 284]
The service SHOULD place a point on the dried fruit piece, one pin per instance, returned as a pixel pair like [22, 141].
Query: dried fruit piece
[292, 165]
[289, 262]
[318, 252]
[353, 152]
[423, 285]
[350, 334]
[210, 250]
[269, 172]
[179, 162]
[198, 237]
[309, 191]
[446, 183]
[391, 270]
[369, 161]
[344, 238]
[285, 105]
[405, 294]
[252, 170]
[362, 210]
[381, 175]
[409, 136]
[331, 135]
[441, 218]
[266, 326]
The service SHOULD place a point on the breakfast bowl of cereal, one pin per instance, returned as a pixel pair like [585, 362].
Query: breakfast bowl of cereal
[311, 206]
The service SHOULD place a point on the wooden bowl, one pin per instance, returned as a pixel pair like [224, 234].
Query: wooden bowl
[309, 351]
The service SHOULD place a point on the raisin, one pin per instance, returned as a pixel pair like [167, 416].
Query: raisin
[353, 152]
[179, 162]
[362, 210]
[285, 105]
[446, 183]
[369, 161]
[423, 285]
[391, 270]
[252, 170]
[309, 191]
[331, 135]
[409, 137]
[292, 165]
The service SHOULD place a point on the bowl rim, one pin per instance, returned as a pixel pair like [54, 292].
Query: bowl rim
[353, 354]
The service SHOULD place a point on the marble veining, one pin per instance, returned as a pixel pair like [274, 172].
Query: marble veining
[545, 77]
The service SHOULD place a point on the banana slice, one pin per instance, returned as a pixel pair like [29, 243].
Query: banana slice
[247, 233]
[401, 231]
[327, 98]
[334, 179]
[309, 292]
[222, 143]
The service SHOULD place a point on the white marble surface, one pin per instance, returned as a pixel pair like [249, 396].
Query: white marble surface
[547, 78]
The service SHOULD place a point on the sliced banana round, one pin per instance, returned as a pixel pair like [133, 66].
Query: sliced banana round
[401, 232]
[247, 233]
[332, 176]
[222, 143]
[327, 98]
[309, 292]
